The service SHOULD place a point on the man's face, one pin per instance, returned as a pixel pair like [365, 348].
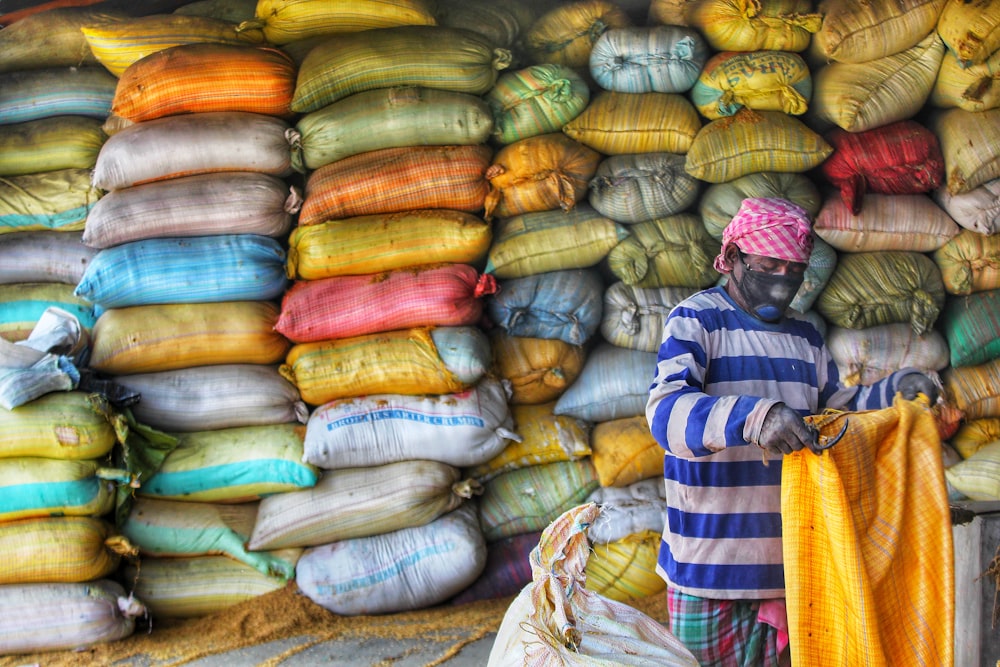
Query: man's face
[763, 286]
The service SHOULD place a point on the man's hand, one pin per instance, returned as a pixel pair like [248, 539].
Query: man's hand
[917, 383]
[784, 431]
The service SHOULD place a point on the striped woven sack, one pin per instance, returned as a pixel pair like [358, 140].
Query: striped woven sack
[202, 77]
[535, 100]
[762, 80]
[822, 262]
[871, 288]
[628, 509]
[389, 118]
[756, 25]
[864, 356]
[556, 304]
[974, 388]
[754, 141]
[507, 569]
[885, 222]
[370, 244]
[972, 32]
[633, 317]
[661, 59]
[61, 549]
[190, 144]
[669, 12]
[50, 144]
[235, 11]
[620, 123]
[864, 96]
[965, 138]
[52, 38]
[169, 336]
[119, 44]
[860, 33]
[900, 158]
[551, 241]
[674, 251]
[625, 452]
[545, 437]
[284, 21]
[344, 64]
[721, 201]
[970, 88]
[625, 569]
[540, 173]
[43, 257]
[345, 306]
[419, 360]
[37, 487]
[393, 180]
[58, 425]
[971, 326]
[539, 370]
[642, 186]
[62, 91]
[974, 434]
[613, 384]
[230, 202]
[977, 477]
[977, 210]
[22, 304]
[199, 269]
[565, 34]
[506, 510]
[57, 201]
[883, 478]
[204, 398]
[969, 262]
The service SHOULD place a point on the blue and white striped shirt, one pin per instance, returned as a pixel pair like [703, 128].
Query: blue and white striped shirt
[718, 372]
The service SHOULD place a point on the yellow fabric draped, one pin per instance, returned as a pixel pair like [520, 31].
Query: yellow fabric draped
[869, 561]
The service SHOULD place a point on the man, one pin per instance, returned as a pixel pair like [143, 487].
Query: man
[736, 372]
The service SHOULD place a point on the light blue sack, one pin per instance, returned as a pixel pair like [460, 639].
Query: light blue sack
[561, 305]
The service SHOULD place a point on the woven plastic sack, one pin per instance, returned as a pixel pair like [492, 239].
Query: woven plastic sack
[395, 180]
[970, 325]
[539, 369]
[362, 575]
[719, 203]
[971, 31]
[528, 499]
[859, 33]
[205, 77]
[674, 251]
[977, 210]
[871, 288]
[43, 257]
[50, 144]
[58, 425]
[227, 10]
[761, 80]
[199, 269]
[507, 569]
[970, 88]
[643, 186]
[965, 137]
[52, 38]
[345, 306]
[633, 317]
[978, 476]
[974, 389]
[625, 510]
[565, 34]
[36, 487]
[885, 222]
[754, 141]
[557, 620]
[556, 304]
[500, 24]
[613, 384]
[625, 569]
[419, 360]
[625, 452]
[556, 240]
[450, 59]
[70, 91]
[284, 21]
[539, 173]
[661, 59]
[974, 434]
[535, 100]
[830, 511]
[969, 262]
[899, 158]
[203, 205]
[620, 123]
[23, 304]
[164, 148]
[389, 118]
[370, 244]
[543, 437]
[864, 356]
[213, 397]
[755, 25]
[360, 502]
[864, 96]
[63, 549]
[57, 201]
[462, 429]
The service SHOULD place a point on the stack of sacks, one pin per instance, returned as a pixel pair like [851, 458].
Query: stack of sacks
[385, 315]
[189, 272]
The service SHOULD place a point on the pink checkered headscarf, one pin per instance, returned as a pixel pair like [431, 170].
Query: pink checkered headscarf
[770, 227]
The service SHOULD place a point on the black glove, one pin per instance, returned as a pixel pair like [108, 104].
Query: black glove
[917, 383]
[784, 431]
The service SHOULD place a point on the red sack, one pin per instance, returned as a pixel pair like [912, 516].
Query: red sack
[899, 158]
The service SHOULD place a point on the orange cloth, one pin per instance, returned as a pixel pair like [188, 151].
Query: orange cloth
[869, 561]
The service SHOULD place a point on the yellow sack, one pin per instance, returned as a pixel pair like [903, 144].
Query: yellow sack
[857, 32]
[624, 451]
[285, 21]
[756, 25]
[978, 477]
[626, 569]
[974, 434]
[58, 425]
[969, 262]
[975, 389]
[624, 123]
[538, 369]
[971, 88]
[64, 549]
[967, 143]
[971, 30]
[565, 34]
[869, 561]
